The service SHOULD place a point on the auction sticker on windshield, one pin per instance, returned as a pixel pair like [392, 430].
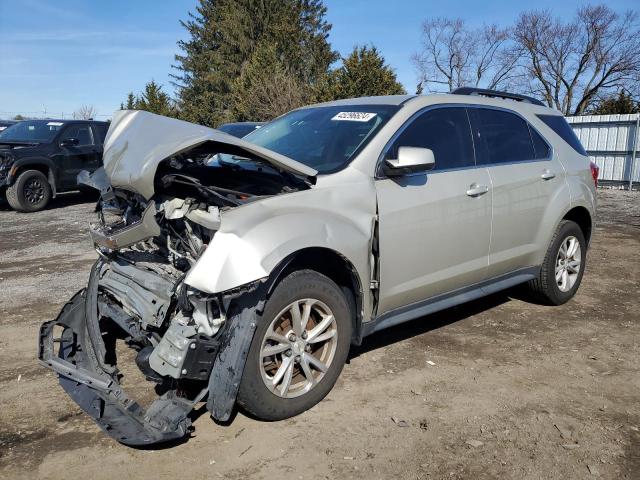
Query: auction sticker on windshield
[354, 116]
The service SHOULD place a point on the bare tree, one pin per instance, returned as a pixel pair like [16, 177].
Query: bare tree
[571, 63]
[85, 112]
[454, 55]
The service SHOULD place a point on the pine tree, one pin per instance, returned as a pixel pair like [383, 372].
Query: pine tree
[131, 101]
[363, 73]
[224, 34]
[153, 99]
[620, 103]
[266, 88]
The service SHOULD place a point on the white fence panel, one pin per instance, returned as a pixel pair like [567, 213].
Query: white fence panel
[612, 143]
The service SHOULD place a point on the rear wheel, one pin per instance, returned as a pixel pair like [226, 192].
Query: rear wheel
[299, 347]
[561, 272]
[31, 192]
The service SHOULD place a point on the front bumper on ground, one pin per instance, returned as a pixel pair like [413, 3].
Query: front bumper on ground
[92, 382]
[98, 392]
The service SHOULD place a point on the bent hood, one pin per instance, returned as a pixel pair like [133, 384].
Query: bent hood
[138, 141]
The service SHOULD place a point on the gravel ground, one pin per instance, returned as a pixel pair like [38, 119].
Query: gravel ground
[498, 388]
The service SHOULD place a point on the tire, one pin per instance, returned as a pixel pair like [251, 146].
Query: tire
[277, 403]
[546, 288]
[31, 192]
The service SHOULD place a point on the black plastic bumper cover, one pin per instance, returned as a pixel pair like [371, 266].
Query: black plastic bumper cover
[98, 393]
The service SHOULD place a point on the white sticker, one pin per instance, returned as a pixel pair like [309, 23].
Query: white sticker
[354, 116]
[55, 124]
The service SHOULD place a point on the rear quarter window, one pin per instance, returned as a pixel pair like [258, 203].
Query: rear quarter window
[559, 125]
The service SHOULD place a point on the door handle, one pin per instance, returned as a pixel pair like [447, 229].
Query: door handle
[476, 190]
[547, 175]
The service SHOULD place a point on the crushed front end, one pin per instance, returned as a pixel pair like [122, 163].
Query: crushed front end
[190, 344]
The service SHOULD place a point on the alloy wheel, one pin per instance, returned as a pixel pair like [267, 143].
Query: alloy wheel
[568, 263]
[298, 348]
[34, 191]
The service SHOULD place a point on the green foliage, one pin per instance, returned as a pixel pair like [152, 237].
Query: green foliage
[266, 88]
[620, 103]
[19, 118]
[223, 37]
[153, 99]
[363, 73]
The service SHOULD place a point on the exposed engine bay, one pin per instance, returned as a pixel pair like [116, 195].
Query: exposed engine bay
[137, 296]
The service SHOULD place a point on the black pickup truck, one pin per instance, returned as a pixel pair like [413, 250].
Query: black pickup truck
[39, 158]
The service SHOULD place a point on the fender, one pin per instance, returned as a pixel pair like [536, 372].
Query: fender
[255, 238]
[557, 207]
[28, 161]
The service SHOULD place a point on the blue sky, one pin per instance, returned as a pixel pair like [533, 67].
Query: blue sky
[56, 55]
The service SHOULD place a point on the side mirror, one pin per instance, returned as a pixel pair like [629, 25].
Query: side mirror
[69, 142]
[410, 160]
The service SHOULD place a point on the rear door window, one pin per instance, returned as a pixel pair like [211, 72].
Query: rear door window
[446, 131]
[500, 137]
[82, 133]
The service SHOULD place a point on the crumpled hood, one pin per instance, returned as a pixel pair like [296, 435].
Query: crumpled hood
[138, 141]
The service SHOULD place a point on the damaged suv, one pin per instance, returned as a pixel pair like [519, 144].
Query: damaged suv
[240, 271]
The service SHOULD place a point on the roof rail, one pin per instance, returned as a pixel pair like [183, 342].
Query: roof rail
[496, 94]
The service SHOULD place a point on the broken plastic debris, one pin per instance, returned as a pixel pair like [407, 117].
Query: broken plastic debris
[400, 423]
[430, 363]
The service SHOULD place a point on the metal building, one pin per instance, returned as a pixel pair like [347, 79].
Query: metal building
[612, 142]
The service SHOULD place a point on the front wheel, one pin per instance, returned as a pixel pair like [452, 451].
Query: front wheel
[563, 267]
[31, 192]
[299, 347]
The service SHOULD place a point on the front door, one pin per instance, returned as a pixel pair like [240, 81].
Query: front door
[434, 228]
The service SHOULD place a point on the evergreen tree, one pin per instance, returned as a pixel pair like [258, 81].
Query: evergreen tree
[363, 73]
[620, 103]
[153, 99]
[223, 36]
[131, 101]
[266, 88]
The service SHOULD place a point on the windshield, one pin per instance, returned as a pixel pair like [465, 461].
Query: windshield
[32, 131]
[323, 138]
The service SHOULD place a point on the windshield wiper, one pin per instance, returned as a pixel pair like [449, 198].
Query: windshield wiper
[214, 191]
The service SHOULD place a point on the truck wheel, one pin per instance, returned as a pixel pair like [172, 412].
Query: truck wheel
[31, 192]
[299, 347]
[563, 266]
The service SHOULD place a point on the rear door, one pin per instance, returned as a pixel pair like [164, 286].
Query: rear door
[84, 155]
[525, 180]
[434, 228]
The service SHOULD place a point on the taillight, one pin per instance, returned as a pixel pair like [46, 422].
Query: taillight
[595, 170]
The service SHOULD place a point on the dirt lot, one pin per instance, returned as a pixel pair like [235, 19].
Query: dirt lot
[499, 388]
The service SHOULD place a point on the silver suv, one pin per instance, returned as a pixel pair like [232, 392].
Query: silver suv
[240, 271]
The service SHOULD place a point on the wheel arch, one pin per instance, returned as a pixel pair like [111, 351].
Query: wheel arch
[43, 165]
[582, 217]
[334, 266]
